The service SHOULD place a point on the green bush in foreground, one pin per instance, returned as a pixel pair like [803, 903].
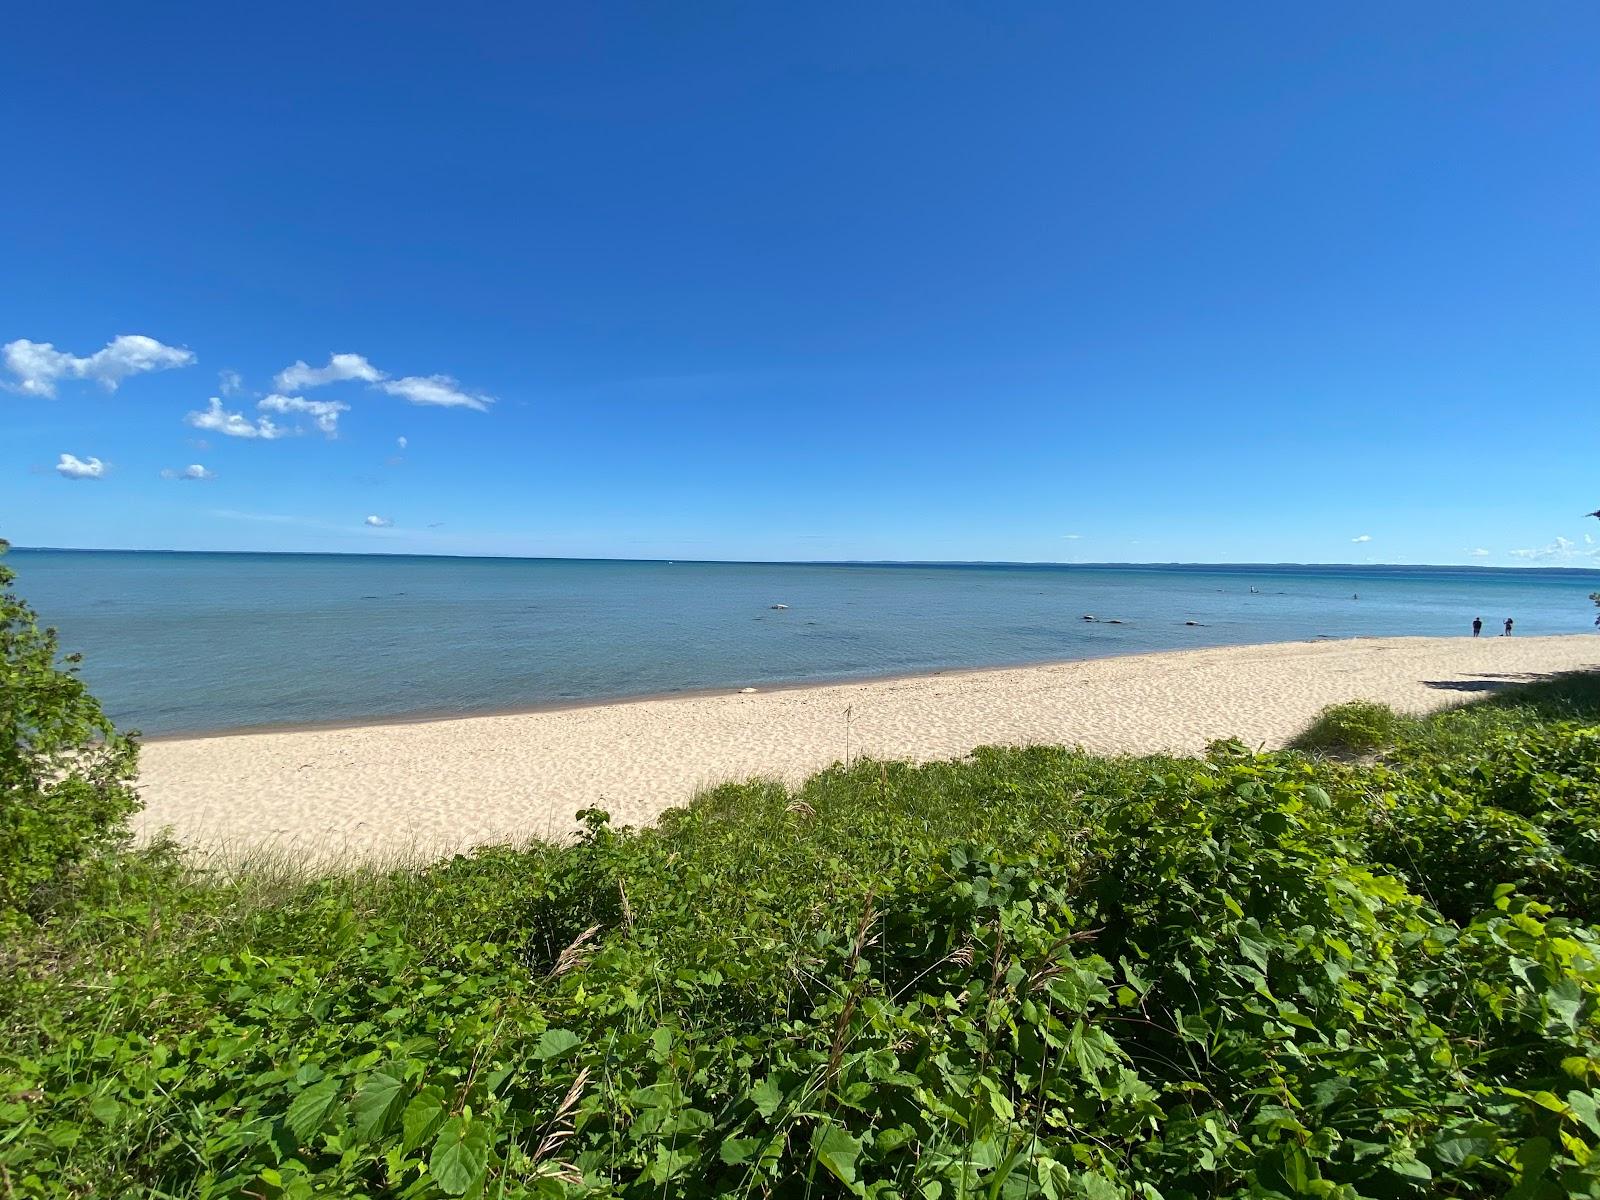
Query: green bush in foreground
[65, 774]
[1027, 973]
[1358, 727]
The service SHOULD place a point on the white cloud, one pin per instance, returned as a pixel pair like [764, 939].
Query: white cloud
[192, 471]
[1072, 537]
[1365, 537]
[1558, 550]
[379, 522]
[341, 367]
[233, 424]
[440, 390]
[401, 442]
[323, 413]
[229, 382]
[74, 467]
[39, 366]
[1480, 552]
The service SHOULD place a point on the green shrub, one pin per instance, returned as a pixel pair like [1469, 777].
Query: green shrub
[1519, 808]
[65, 774]
[1358, 727]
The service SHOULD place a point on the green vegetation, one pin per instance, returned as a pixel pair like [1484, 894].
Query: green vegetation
[64, 773]
[1030, 973]
[1355, 728]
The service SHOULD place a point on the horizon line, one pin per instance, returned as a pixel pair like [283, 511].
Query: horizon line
[810, 562]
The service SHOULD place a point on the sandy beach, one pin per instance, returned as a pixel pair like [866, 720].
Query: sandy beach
[432, 787]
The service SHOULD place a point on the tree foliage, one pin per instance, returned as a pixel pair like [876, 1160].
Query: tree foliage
[65, 774]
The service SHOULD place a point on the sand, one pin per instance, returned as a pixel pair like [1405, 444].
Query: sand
[432, 787]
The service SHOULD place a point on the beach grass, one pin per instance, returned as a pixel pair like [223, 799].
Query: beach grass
[1366, 726]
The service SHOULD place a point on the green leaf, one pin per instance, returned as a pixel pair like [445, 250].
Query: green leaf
[376, 1104]
[460, 1156]
[837, 1151]
[737, 1150]
[105, 1109]
[1296, 1168]
[661, 1044]
[767, 1096]
[1458, 1151]
[308, 1112]
[668, 1164]
[1583, 1104]
[1411, 1168]
[1565, 999]
[423, 1115]
[1328, 1092]
[1092, 1185]
[556, 1043]
[1533, 1156]
[1253, 949]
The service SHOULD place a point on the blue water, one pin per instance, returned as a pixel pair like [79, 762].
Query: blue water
[202, 642]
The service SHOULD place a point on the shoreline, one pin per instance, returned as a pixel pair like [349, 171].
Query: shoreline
[430, 787]
[433, 717]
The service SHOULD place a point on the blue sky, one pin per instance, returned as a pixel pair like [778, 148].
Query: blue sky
[1018, 282]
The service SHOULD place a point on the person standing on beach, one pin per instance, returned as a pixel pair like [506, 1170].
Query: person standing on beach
[1508, 627]
[1477, 626]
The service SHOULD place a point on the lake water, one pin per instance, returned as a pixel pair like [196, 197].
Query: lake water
[204, 642]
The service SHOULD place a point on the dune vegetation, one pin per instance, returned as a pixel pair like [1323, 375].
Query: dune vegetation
[1359, 970]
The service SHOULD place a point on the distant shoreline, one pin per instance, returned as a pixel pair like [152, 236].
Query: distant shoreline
[424, 788]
